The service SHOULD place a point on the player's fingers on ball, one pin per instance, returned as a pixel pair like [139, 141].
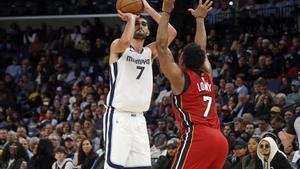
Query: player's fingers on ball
[120, 13]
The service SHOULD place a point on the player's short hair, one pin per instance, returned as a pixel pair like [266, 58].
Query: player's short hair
[193, 56]
[144, 17]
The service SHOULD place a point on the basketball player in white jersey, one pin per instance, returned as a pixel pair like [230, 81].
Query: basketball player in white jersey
[131, 81]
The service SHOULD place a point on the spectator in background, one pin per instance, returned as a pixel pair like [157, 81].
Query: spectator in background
[239, 126]
[70, 146]
[160, 137]
[14, 69]
[239, 153]
[22, 132]
[288, 114]
[270, 156]
[92, 135]
[55, 140]
[294, 96]
[281, 100]
[36, 46]
[77, 128]
[270, 71]
[248, 118]
[243, 106]
[14, 154]
[29, 36]
[75, 35]
[277, 123]
[291, 156]
[229, 92]
[264, 104]
[275, 111]
[33, 144]
[242, 70]
[250, 129]
[285, 86]
[25, 143]
[165, 159]
[263, 125]
[61, 159]
[251, 161]
[86, 155]
[3, 136]
[240, 83]
[44, 157]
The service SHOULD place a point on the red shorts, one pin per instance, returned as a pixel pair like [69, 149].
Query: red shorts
[201, 148]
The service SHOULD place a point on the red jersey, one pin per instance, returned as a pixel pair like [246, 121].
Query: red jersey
[197, 104]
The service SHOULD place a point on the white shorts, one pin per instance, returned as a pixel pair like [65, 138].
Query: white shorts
[126, 140]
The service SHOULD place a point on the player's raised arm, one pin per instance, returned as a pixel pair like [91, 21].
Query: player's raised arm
[156, 16]
[119, 45]
[200, 38]
[167, 64]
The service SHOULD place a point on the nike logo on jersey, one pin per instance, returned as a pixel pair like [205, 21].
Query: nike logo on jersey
[204, 86]
[138, 61]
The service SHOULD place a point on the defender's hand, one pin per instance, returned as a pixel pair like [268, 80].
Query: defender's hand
[127, 16]
[202, 9]
[168, 6]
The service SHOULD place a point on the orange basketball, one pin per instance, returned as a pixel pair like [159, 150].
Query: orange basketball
[130, 6]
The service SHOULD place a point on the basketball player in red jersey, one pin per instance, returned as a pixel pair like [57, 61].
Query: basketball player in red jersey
[203, 146]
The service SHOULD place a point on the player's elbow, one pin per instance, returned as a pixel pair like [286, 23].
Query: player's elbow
[161, 48]
[161, 43]
[173, 33]
[125, 42]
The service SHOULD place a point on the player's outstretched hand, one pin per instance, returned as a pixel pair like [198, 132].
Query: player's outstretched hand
[202, 9]
[168, 6]
[127, 16]
[147, 7]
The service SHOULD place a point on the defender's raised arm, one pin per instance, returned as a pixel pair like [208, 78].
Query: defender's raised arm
[200, 38]
[167, 64]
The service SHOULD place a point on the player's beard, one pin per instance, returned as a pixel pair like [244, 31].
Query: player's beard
[140, 36]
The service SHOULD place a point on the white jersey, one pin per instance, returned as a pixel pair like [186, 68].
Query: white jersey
[131, 81]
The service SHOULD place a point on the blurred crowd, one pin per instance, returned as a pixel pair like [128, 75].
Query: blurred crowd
[54, 84]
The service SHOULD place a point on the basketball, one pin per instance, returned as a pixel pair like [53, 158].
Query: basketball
[130, 6]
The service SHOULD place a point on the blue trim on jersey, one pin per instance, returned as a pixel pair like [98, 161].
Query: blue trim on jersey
[114, 70]
[106, 126]
[110, 129]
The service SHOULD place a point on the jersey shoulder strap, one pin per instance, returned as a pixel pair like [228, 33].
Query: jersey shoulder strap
[63, 167]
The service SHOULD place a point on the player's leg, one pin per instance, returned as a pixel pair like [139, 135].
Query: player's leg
[189, 154]
[117, 139]
[199, 149]
[140, 153]
[221, 152]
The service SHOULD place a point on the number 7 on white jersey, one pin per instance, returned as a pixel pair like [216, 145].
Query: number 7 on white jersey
[209, 100]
